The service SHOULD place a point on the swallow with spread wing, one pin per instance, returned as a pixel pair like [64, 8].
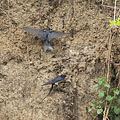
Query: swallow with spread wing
[46, 36]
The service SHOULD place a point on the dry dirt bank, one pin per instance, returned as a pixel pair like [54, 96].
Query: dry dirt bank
[83, 56]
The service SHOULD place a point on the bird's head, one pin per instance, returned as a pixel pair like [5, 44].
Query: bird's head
[63, 76]
[47, 29]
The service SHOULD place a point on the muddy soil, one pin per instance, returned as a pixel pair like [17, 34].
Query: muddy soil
[82, 56]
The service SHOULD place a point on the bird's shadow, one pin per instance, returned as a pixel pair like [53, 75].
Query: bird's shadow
[60, 87]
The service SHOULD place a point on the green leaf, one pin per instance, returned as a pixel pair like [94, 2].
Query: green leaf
[112, 91]
[89, 109]
[101, 101]
[116, 118]
[99, 111]
[118, 101]
[116, 92]
[101, 93]
[112, 106]
[92, 104]
[114, 97]
[112, 23]
[106, 85]
[95, 86]
[98, 107]
[109, 98]
[101, 81]
[117, 22]
[116, 110]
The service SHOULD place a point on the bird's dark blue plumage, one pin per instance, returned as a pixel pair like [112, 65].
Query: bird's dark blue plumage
[57, 79]
[46, 36]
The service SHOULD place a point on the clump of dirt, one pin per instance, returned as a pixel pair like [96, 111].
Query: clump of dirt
[83, 57]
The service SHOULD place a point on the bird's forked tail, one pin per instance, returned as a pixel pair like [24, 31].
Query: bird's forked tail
[47, 46]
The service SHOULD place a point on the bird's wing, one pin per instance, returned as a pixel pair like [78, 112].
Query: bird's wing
[56, 34]
[57, 79]
[37, 32]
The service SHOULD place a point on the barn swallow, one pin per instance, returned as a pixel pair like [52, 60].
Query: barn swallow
[55, 80]
[46, 36]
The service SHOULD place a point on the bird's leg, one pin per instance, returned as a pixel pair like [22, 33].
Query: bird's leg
[50, 89]
[48, 93]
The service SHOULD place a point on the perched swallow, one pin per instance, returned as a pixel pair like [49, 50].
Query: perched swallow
[46, 36]
[57, 79]
[52, 82]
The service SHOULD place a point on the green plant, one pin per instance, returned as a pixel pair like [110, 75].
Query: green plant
[117, 22]
[108, 98]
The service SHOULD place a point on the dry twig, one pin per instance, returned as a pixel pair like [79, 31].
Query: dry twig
[115, 9]
[106, 110]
